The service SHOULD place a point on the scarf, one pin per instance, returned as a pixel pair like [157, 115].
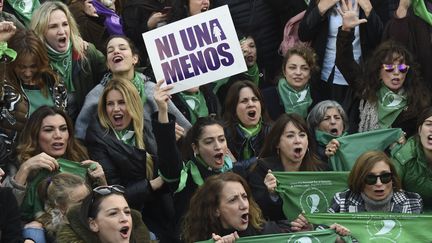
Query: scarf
[374, 206]
[62, 64]
[5, 51]
[294, 101]
[138, 82]
[196, 105]
[323, 138]
[421, 10]
[126, 136]
[390, 105]
[249, 133]
[191, 167]
[253, 74]
[24, 9]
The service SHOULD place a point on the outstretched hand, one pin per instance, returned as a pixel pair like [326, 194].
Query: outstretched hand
[349, 14]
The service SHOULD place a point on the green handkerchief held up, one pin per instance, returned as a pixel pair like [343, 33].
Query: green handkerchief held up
[32, 203]
[380, 227]
[352, 146]
[311, 192]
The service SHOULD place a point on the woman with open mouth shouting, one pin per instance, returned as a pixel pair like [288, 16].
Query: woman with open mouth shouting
[205, 153]
[104, 216]
[246, 121]
[387, 90]
[288, 147]
[122, 58]
[292, 94]
[79, 64]
[223, 209]
[414, 160]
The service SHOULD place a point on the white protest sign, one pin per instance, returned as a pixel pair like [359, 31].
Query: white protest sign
[196, 50]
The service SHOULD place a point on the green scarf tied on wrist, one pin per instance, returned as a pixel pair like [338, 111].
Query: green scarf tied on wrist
[24, 9]
[196, 105]
[294, 101]
[126, 136]
[390, 105]
[249, 133]
[253, 74]
[420, 9]
[5, 51]
[62, 64]
[196, 175]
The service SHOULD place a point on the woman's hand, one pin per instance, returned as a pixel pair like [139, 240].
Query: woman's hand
[95, 171]
[37, 162]
[325, 5]
[332, 147]
[156, 183]
[340, 230]
[161, 96]
[270, 181]
[7, 30]
[350, 15]
[89, 9]
[301, 224]
[155, 19]
[231, 238]
[402, 9]
[179, 131]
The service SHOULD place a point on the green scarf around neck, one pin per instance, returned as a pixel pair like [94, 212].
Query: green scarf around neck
[420, 9]
[249, 133]
[191, 167]
[294, 101]
[24, 9]
[253, 74]
[390, 105]
[126, 136]
[196, 105]
[138, 82]
[62, 64]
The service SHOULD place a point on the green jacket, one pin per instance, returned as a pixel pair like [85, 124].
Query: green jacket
[412, 167]
[76, 232]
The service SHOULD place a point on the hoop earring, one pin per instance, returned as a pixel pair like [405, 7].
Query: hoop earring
[195, 154]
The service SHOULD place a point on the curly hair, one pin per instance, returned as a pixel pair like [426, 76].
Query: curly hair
[29, 140]
[307, 53]
[201, 220]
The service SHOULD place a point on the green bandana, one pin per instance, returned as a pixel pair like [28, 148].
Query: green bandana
[421, 10]
[24, 9]
[311, 192]
[294, 101]
[380, 227]
[298, 237]
[352, 146]
[390, 105]
[62, 64]
[324, 138]
[196, 105]
[253, 74]
[196, 175]
[249, 133]
[126, 136]
[138, 82]
[32, 203]
[5, 51]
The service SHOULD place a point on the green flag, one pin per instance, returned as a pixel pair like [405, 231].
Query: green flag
[352, 146]
[324, 236]
[311, 192]
[31, 203]
[380, 227]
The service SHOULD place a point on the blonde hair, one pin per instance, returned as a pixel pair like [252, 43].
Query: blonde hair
[135, 108]
[40, 20]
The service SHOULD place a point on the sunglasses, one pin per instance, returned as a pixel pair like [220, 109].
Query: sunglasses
[106, 190]
[403, 68]
[384, 178]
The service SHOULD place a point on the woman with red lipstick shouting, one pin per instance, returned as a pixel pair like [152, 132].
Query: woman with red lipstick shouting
[80, 66]
[246, 121]
[288, 147]
[224, 208]
[104, 216]
[292, 94]
[414, 160]
[388, 89]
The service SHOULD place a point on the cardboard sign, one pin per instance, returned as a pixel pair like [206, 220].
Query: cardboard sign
[196, 50]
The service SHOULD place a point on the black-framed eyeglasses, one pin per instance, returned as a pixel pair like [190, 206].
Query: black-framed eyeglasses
[403, 68]
[106, 190]
[384, 178]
